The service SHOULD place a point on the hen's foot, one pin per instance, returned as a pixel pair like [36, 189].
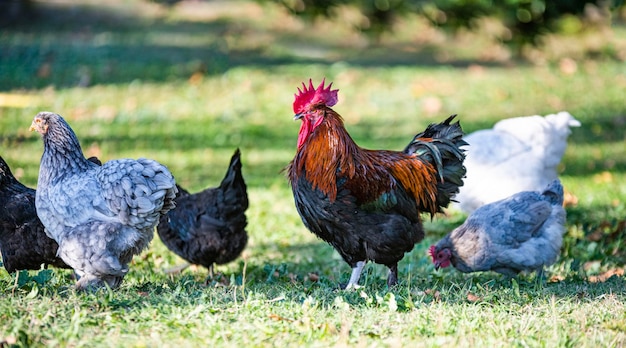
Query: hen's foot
[392, 278]
[92, 283]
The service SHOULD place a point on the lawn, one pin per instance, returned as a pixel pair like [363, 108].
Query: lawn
[188, 84]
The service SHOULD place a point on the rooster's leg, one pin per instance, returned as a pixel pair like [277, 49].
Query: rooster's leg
[392, 278]
[353, 283]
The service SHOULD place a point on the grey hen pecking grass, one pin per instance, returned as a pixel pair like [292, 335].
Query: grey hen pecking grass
[523, 232]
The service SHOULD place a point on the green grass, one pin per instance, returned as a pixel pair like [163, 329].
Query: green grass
[186, 87]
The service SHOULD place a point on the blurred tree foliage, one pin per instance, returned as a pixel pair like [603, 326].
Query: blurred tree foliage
[12, 11]
[526, 19]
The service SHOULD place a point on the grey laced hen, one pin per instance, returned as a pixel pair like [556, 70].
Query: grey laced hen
[523, 232]
[101, 216]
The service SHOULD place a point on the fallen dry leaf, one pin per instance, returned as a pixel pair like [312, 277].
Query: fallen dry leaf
[314, 277]
[473, 298]
[556, 278]
[607, 231]
[601, 278]
[435, 293]
[277, 317]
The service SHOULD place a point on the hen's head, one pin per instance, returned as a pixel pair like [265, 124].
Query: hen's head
[43, 120]
[309, 104]
[56, 132]
[40, 123]
[441, 258]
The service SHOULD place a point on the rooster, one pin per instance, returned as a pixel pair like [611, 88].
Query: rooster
[366, 203]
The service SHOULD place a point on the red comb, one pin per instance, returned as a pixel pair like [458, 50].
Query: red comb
[311, 95]
[431, 251]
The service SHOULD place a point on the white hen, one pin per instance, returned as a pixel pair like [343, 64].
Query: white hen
[518, 154]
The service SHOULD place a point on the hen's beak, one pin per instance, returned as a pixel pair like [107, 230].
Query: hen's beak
[437, 266]
[37, 126]
[298, 116]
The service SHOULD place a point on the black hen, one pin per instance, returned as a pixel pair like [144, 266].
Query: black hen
[23, 241]
[209, 226]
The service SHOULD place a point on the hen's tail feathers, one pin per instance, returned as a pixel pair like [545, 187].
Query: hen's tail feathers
[554, 192]
[94, 159]
[7, 180]
[440, 144]
[233, 184]
[181, 191]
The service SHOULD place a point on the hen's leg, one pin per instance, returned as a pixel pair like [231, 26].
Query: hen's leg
[392, 278]
[353, 283]
[541, 275]
[210, 276]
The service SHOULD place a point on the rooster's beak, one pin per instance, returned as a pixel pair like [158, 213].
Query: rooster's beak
[437, 266]
[298, 116]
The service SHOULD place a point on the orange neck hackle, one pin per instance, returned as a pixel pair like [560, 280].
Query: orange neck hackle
[329, 152]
